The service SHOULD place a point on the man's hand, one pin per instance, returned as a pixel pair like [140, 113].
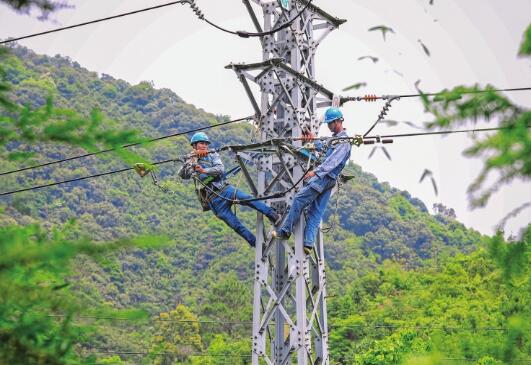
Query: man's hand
[199, 169]
[309, 175]
[307, 136]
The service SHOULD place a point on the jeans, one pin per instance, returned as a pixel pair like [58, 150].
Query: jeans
[313, 196]
[221, 208]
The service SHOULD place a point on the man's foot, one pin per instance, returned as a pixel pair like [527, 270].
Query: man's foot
[279, 235]
[308, 250]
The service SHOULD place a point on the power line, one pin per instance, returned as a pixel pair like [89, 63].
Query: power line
[195, 9]
[230, 122]
[158, 319]
[385, 97]
[245, 34]
[95, 21]
[448, 328]
[438, 132]
[332, 326]
[233, 355]
[381, 138]
[125, 146]
[377, 138]
[168, 353]
[237, 201]
[79, 179]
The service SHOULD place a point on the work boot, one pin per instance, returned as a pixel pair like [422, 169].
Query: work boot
[308, 250]
[279, 235]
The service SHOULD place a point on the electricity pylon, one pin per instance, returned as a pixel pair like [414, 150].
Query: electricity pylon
[289, 307]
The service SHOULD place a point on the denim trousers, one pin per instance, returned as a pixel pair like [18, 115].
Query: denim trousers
[314, 198]
[222, 209]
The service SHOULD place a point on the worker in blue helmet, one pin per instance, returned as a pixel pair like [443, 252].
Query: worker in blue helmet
[315, 194]
[215, 193]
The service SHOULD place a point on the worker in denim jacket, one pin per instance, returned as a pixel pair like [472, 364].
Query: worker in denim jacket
[215, 193]
[315, 194]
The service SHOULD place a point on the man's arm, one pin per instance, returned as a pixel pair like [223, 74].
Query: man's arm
[217, 168]
[332, 161]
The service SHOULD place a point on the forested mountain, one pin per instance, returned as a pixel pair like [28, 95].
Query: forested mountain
[401, 281]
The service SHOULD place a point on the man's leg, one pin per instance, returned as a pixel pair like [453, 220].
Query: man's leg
[256, 204]
[301, 200]
[221, 209]
[314, 215]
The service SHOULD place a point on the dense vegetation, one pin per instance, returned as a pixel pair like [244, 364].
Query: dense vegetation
[405, 285]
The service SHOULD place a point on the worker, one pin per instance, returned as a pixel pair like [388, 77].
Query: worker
[215, 193]
[319, 184]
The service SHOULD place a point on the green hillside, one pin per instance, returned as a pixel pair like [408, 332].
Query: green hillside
[391, 263]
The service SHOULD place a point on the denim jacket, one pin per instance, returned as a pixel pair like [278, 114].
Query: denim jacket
[335, 159]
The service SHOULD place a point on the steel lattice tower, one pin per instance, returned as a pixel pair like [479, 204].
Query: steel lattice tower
[289, 308]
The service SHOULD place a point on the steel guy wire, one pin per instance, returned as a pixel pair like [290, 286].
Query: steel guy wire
[127, 146]
[191, 3]
[245, 34]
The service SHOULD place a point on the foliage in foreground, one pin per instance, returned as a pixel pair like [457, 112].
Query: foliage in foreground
[38, 310]
[473, 308]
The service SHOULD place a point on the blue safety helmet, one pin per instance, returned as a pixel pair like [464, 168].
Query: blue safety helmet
[332, 114]
[199, 137]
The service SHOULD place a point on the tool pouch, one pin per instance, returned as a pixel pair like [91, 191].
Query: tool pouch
[202, 195]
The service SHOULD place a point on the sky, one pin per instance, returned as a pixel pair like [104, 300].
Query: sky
[470, 41]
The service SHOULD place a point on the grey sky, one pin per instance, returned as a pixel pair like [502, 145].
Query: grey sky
[471, 41]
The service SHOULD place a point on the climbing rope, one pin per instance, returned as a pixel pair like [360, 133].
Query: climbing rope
[334, 220]
[271, 196]
[165, 189]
